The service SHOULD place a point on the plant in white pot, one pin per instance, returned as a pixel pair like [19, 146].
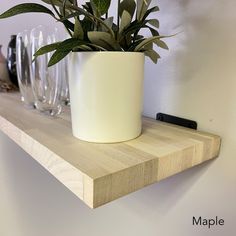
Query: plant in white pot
[106, 66]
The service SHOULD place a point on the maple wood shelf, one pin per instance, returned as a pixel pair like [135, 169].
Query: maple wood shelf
[100, 173]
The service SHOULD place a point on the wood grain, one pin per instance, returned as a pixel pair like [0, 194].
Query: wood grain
[100, 173]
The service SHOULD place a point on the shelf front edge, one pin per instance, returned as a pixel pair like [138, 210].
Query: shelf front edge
[75, 180]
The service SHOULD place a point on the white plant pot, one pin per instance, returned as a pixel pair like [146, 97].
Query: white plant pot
[106, 95]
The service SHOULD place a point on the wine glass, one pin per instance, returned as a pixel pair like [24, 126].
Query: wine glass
[46, 81]
[62, 35]
[23, 63]
[65, 96]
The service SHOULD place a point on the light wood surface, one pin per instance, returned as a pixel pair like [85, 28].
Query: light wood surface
[100, 173]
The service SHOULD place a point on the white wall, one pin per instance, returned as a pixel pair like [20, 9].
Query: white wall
[195, 79]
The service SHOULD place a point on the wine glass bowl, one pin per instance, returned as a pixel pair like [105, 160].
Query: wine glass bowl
[46, 81]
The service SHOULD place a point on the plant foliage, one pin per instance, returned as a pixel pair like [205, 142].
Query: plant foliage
[92, 29]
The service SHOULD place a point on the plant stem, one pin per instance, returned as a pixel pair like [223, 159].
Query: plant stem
[75, 3]
[64, 8]
[118, 16]
[136, 32]
[55, 9]
[59, 15]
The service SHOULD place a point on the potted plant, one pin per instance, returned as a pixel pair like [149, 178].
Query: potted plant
[106, 66]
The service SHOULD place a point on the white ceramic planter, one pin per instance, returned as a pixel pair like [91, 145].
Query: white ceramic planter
[106, 94]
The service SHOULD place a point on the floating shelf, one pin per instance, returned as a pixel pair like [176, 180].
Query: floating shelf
[100, 173]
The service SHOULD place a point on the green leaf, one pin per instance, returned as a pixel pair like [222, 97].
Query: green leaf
[104, 40]
[63, 49]
[149, 11]
[64, 12]
[101, 6]
[88, 7]
[153, 55]
[148, 47]
[69, 44]
[78, 30]
[88, 47]
[153, 31]
[92, 18]
[161, 44]
[138, 37]
[154, 22]
[133, 45]
[125, 20]
[96, 46]
[74, 14]
[63, 9]
[87, 25]
[82, 48]
[129, 6]
[142, 7]
[55, 2]
[147, 41]
[109, 21]
[68, 25]
[134, 26]
[58, 3]
[26, 8]
[46, 49]
[57, 56]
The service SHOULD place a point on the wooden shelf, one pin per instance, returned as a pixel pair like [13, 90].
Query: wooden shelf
[100, 173]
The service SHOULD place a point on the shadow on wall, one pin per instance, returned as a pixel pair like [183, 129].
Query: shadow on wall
[206, 76]
[196, 78]
[162, 198]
